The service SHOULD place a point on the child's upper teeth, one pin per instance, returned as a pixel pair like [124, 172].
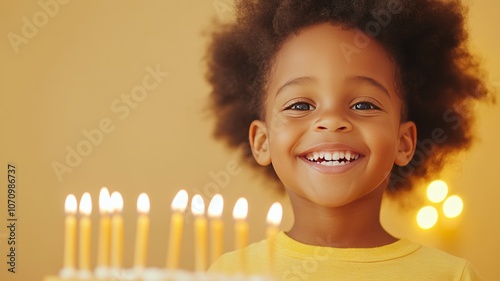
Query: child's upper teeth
[328, 156]
[336, 155]
[332, 156]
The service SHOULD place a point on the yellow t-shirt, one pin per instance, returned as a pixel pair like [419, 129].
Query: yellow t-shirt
[294, 261]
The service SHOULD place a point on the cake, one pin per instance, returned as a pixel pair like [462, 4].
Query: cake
[154, 274]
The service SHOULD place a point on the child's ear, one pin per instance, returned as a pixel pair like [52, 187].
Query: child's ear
[259, 142]
[407, 143]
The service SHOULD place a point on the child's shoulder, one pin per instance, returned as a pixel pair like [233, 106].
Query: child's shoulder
[427, 254]
[439, 263]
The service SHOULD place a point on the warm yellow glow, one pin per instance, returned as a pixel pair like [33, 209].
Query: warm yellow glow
[216, 206]
[453, 206]
[197, 205]
[275, 213]
[143, 203]
[180, 201]
[85, 204]
[116, 201]
[70, 204]
[437, 191]
[104, 201]
[240, 210]
[427, 217]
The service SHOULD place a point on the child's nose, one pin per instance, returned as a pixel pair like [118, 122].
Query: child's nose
[334, 122]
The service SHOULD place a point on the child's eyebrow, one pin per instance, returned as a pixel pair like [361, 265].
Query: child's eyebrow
[371, 82]
[295, 81]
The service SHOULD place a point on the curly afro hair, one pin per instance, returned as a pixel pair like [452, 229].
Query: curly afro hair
[439, 79]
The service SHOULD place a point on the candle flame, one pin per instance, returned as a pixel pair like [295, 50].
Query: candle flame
[116, 201]
[240, 210]
[70, 204]
[197, 205]
[216, 206]
[104, 201]
[85, 204]
[143, 203]
[275, 213]
[180, 201]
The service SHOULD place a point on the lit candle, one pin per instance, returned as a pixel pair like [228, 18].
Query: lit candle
[240, 212]
[216, 227]
[116, 231]
[273, 220]
[200, 233]
[85, 209]
[179, 205]
[141, 242]
[104, 229]
[70, 207]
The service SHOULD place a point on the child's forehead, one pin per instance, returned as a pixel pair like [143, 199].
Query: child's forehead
[328, 51]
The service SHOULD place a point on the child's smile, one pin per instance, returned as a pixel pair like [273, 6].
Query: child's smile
[333, 125]
[331, 158]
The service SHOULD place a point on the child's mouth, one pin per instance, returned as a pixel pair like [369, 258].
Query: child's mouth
[336, 158]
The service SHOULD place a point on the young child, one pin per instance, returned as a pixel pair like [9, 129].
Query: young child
[341, 102]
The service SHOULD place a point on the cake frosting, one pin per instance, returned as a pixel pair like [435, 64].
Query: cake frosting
[151, 274]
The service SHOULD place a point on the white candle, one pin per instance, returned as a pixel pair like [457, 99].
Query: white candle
[85, 209]
[179, 205]
[116, 231]
[141, 239]
[240, 213]
[215, 209]
[69, 263]
[273, 221]
[200, 233]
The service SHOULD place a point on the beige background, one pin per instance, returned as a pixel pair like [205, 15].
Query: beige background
[87, 54]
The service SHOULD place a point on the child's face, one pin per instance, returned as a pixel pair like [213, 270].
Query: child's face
[333, 118]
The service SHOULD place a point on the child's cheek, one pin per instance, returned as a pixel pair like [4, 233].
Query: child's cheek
[277, 121]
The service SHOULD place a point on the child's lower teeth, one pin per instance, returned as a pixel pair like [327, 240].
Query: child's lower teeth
[332, 163]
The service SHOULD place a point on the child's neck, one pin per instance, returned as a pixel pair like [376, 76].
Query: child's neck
[356, 225]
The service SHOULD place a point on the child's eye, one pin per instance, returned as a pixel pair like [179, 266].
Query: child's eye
[365, 105]
[302, 106]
